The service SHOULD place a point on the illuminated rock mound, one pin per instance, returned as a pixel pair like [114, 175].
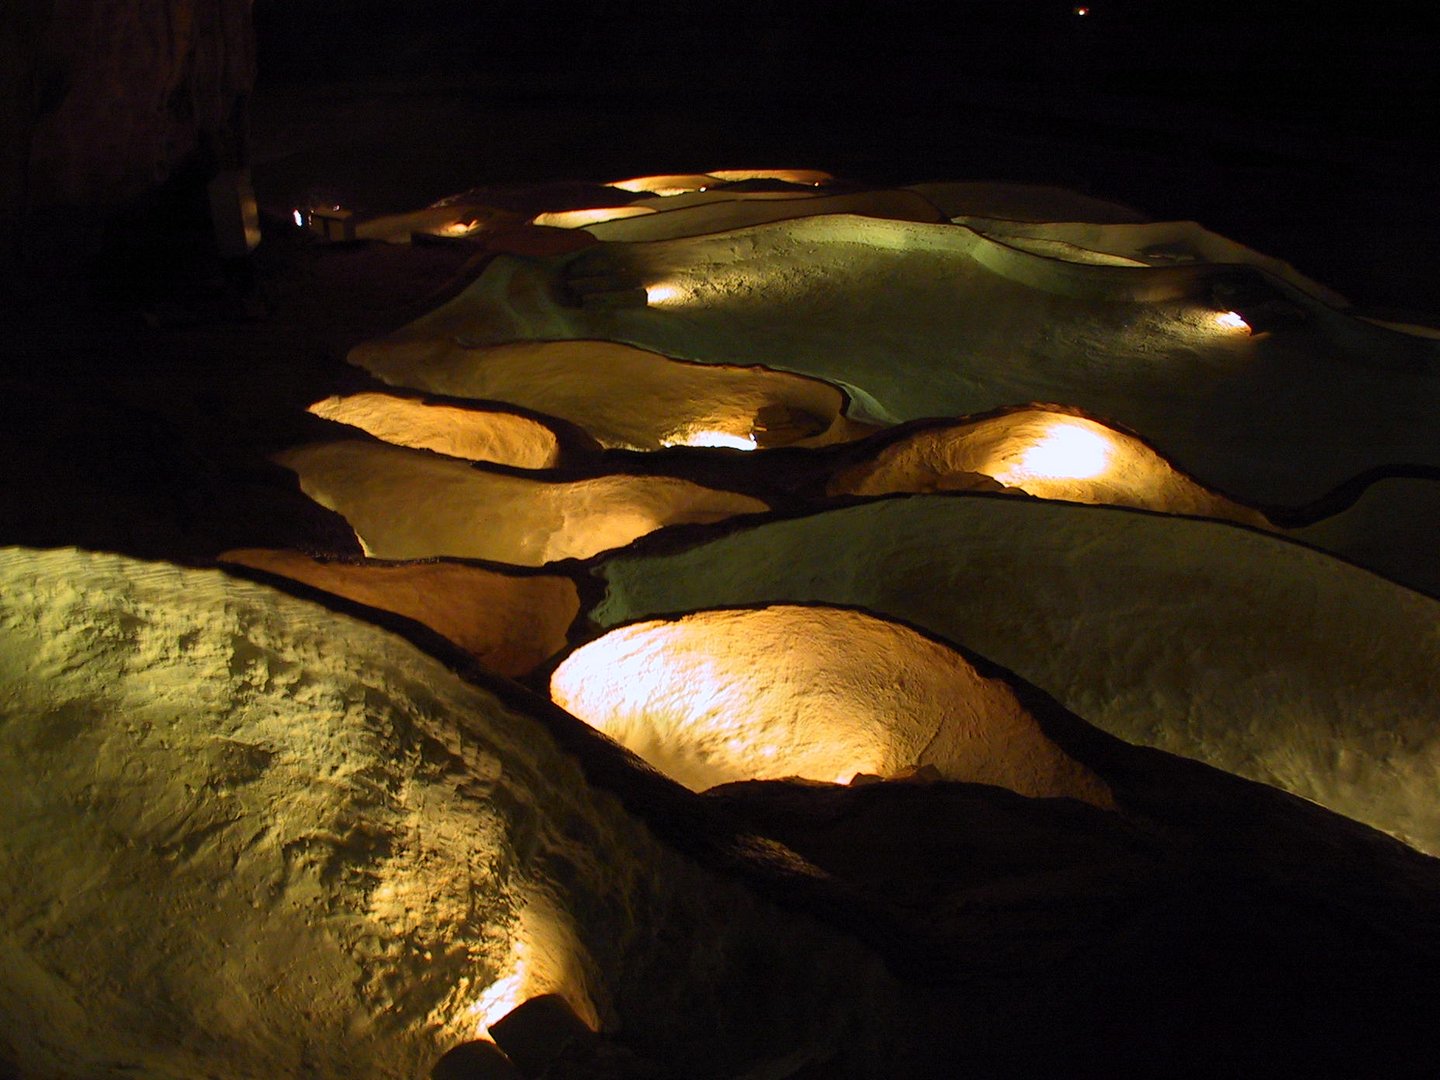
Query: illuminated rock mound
[248, 837]
[583, 218]
[623, 396]
[1152, 243]
[709, 200]
[1241, 380]
[474, 434]
[412, 504]
[443, 220]
[816, 693]
[508, 622]
[1242, 650]
[727, 211]
[1045, 453]
[679, 184]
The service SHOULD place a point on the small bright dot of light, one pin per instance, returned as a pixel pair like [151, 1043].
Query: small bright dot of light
[1082, 11]
[299, 218]
[1232, 320]
[661, 294]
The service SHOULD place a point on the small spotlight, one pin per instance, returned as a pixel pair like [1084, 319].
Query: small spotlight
[299, 218]
[1081, 11]
[1231, 320]
[460, 228]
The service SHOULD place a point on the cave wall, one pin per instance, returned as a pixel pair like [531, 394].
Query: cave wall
[112, 102]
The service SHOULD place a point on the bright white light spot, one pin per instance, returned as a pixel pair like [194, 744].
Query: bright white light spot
[299, 218]
[1082, 11]
[712, 438]
[662, 294]
[1232, 320]
[459, 228]
[503, 995]
[578, 219]
[1066, 452]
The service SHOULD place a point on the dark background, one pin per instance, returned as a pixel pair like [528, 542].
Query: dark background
[1308, 132]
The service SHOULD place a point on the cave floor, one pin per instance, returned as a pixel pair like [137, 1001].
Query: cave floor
[144, 426]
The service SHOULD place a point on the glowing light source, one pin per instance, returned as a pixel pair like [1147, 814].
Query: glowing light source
[1231, 320]
[299, 218]
[1082, 11]
[713, 438]
[1065, 452]
[662, 294]
[459, 228]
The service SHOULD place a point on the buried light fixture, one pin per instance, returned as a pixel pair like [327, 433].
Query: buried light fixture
[1232, 320]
